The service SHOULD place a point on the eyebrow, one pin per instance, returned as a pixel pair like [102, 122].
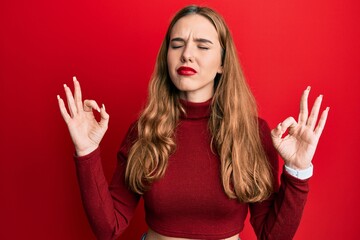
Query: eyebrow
[201, 40]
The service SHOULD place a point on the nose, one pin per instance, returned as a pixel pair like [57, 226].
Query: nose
[187, 55]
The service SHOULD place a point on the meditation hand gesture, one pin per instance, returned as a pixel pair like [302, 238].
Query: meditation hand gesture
[298, 147]
[86, 132]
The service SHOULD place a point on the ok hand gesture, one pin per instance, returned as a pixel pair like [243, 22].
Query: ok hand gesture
[298, 147]
[86, 132]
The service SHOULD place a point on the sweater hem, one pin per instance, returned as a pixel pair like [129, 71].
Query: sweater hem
[207, 236]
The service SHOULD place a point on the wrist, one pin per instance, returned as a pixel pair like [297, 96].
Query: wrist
[298, 167]
[86, 151]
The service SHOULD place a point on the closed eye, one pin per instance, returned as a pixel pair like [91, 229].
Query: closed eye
[202, 47]
[176, 46]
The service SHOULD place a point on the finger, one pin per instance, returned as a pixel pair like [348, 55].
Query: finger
[77, 94]
[303, 115]
[314, 112]
[104, 122]
[322, 122]
[89, 105]
[287, 123]
[282, 127]
[63, 110]
[70, 101]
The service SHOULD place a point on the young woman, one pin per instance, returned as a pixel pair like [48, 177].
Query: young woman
[198, 155]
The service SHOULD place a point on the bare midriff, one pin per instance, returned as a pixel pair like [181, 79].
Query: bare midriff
[152, 235]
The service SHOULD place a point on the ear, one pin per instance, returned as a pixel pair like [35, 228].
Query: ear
[220, 70]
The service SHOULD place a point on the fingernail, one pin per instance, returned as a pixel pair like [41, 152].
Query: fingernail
[321, 96]
[65, 86]
[58, 97]
[328, 108]
[308, 88]
[103, 105]
[74, 78]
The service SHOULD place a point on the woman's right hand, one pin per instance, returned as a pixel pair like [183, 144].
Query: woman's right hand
[85, 131]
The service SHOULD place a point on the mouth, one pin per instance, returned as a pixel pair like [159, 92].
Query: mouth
[186, 71]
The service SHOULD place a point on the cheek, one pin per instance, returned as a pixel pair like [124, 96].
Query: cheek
[171, 67]
[212, 64]
[170, 64]
[171, 57]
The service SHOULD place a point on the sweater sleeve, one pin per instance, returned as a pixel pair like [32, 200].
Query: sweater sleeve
[279, 216]
[109, 208]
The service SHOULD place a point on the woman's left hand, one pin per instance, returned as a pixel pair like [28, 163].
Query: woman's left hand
[298, 147]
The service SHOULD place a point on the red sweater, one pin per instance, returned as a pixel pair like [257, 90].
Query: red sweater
[189, 201]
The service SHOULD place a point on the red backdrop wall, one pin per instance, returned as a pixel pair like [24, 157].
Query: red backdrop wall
[111, 47]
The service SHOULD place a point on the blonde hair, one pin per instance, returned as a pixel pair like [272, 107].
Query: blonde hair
[233, 124]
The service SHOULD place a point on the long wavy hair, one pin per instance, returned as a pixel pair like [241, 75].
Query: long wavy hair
[233, 124]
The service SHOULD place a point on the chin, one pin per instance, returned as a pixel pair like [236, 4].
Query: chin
[184, 85]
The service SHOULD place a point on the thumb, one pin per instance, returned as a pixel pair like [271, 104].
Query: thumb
[276, 133]
[104, 122]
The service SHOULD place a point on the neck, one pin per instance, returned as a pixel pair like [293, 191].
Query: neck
[196, 98]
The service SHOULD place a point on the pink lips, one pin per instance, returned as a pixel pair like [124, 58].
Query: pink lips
[186, 71]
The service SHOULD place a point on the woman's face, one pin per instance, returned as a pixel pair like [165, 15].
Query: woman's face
[194, 57]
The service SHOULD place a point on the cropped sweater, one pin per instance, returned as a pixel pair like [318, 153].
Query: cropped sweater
[189, 201]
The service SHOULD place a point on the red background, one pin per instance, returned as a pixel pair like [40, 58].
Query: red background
[111, 47]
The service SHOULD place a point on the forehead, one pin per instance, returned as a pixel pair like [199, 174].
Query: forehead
[196, 25]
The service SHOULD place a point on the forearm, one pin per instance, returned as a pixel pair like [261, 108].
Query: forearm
[279, 217]
[98, 202]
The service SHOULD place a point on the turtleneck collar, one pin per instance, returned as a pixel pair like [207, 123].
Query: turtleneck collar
[196, 110]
